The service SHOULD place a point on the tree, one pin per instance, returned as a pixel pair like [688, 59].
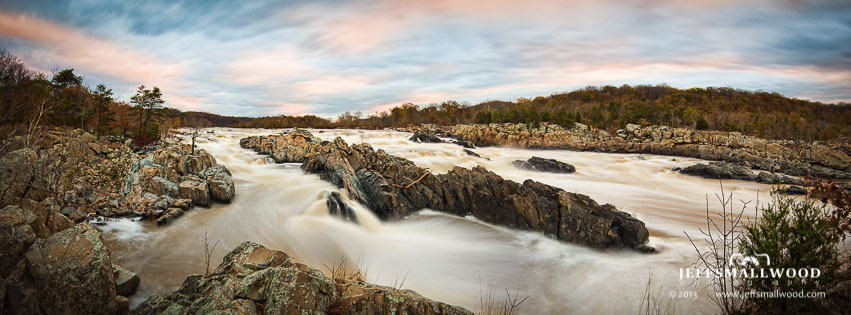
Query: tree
[103, 109]
[147, 103]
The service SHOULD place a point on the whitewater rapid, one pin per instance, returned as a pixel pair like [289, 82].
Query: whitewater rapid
[450, 259]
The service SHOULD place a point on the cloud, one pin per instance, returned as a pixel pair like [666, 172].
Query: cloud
[73, 47]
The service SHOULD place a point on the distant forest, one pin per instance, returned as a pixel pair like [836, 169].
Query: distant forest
[30, 100]
[763, 114]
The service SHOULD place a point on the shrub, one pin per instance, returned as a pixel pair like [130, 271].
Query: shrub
[794, 234]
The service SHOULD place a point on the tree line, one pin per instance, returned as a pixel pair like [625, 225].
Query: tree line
[29, 99]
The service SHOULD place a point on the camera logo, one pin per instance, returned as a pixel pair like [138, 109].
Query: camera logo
[742, 260]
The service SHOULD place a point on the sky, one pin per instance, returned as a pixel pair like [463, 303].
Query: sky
[259, 58]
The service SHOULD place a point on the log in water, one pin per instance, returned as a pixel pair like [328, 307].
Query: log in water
[455, 260]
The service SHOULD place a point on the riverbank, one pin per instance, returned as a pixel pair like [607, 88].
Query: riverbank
[797, 158]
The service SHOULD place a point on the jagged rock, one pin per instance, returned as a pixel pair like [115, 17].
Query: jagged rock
[73, 214]
[338, 207]
[73, 272]
[16, 236]
[169, 215]
[253, 279]
[393, 187]
[183, 204]
[774, 179]
[220, 182]
[196, 190]
[544, 165]
[720, 170]
[465, 144]
[126, 281]
[425, 138]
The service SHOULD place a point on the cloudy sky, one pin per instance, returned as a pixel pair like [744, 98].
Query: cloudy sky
[255, 58]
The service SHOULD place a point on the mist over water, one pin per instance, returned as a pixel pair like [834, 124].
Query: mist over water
[446, 258]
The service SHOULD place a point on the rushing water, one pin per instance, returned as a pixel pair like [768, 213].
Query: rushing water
[456, 260]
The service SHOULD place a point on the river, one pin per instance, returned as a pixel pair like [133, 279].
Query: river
[460, 261]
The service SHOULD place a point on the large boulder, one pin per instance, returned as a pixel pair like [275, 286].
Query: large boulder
[73, 272]
[544, 165]
[196, 190]
[220, 183]
[255, 280]
[16, 236]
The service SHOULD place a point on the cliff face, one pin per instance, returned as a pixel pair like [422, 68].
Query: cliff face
[394, 187]
[789, 157]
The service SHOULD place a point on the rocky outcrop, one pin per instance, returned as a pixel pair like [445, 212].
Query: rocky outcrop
[165, 182]
[719, 170]
[796, 158]
[393, 187]
[68, 272]
[544, 165]
[255, 280]
[419, 136]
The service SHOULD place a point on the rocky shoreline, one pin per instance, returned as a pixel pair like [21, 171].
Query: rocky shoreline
[255, 280]
[796, 158]
[394, 187]
[55, 262]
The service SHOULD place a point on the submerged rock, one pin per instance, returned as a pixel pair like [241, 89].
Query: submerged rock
[255, 280]
[544, 165]
[393, 187]
[471, 153]
[126, 281]
[338, 207]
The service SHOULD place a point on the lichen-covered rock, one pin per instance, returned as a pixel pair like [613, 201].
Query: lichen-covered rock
[394, 187]
[220, 183]
[73, 272]
[253, 279]
[16, 236]
[196, 190]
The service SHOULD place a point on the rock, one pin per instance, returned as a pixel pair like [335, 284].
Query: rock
[196, 190]
[253, 279]
[73, 272]
[125, 281]
[768, 178]
[18, 292]
[169, 215]
[182, 203]
[795, 190]
[338, 207]
[544, 165]
[465, 144]
[393, 188]
[16, 236]
[74, 214]
[122, 302]
[425, 138]
[796, 158]
[720, 170]
[220, 183]
[471, 153]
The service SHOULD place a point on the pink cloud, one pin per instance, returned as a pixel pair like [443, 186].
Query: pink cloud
[75, 48]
